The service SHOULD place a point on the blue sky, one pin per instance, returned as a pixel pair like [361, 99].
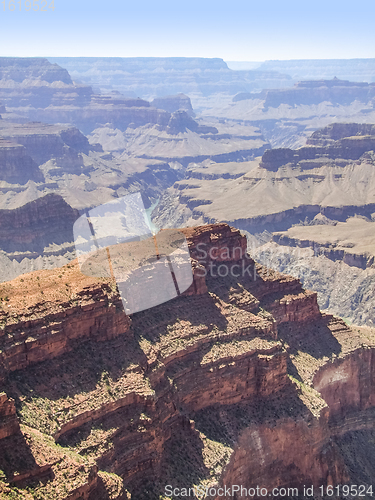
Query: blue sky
[233, 30]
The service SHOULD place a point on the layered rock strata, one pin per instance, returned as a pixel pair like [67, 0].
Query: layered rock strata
[203, 390]
[37, 224]
[314, 92]
[16, 166]
[174, 103]
[332, 176]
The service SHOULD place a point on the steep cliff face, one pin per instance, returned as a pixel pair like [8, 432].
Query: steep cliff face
[330, 177]
[40, 91]
[43, 142]
[9, 424]
[19, 69]
[350, 242]
[336, 131]
[181, 121]
[317, 91]
[344, 290]
[173, 103]
[16, 166]
[160, 76]
[36, 225]
[77, 309]
[314, 155]
[223, 375]
[94, 114]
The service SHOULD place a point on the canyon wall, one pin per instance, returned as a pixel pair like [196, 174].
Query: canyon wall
[224, 375]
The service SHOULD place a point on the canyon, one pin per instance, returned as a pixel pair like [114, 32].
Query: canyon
[247, 378]
[307, 212]
[332, 175]
[202, 391]
[158, 76]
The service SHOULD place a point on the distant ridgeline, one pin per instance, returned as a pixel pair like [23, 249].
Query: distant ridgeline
[314, 92]
[359, 70]
[160, 76]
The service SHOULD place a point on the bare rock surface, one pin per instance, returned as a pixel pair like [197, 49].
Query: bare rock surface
[173, 103]
[160, 76]
[224, 375]
[285, 186]
[288, 116]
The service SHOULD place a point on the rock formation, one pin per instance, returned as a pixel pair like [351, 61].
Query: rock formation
[287, 116]
[36, 225]
[16, 166]
[43, 142]
[37, 90]
[339, 141]
[180, 121]
[286, 186]
[205, 390]
[357, 70]
[174, 103]
[20, 69]
[314, 92]
[160, 76]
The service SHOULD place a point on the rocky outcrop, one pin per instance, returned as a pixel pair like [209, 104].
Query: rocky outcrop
[16, 165]
[40, 91]
[92, 115]
[314, 92]
[346, 385]
[174, 103]
[336, 131]
[9, 424]
[19, 69]
[24, 98]
[287, 187]
[35, 82]
[29, 335]
[63, 144]
[315, 154]
[34, 226]
[328, 250]
[309, 458]
[181, 121]
[225, 375]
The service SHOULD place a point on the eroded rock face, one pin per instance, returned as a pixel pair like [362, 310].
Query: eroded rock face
[36, 225]
[237, 375]
[347, 384]
[86, 311]
[40, 91]
[314, 92]
[9, 424]
[291, 454]
[16, 165]
[43, 142]
[336, 131]
[174, 103]
[181, 121]
[19, 69]
[315, 155]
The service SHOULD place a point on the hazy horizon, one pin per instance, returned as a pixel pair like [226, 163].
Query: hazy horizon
[239, 32]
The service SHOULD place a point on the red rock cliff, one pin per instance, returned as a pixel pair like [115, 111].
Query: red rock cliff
[206, 389]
